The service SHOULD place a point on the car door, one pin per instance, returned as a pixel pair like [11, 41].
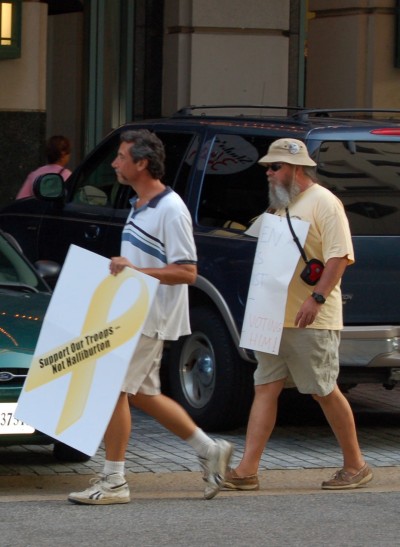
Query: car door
[86, 217]
[97, 205]
[363, 173]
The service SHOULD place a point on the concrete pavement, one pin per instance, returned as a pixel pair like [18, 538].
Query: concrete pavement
[168, 509]
[301, 440]
[184, 485]
[357, 519]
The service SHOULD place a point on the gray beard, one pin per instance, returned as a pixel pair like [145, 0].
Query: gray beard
[280, 197]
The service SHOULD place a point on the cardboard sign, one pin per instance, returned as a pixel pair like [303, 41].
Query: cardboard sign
[275, 261]
[87, 340]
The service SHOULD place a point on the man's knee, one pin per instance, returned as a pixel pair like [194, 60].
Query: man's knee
[321, 399]
[134, 400]
[272, 389]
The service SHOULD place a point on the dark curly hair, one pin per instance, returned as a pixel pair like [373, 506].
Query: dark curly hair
[146, 145]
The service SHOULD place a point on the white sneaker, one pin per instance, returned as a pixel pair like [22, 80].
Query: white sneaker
[104, 490]
[215, 467]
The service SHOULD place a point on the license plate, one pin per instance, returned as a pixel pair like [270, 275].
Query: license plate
[9, 424]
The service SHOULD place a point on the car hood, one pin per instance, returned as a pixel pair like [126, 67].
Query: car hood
[21, 318]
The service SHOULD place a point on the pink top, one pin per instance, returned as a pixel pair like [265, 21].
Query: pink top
[26, 190]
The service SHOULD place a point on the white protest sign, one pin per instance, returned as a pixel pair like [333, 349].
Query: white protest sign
[275, 261]
[87, 340]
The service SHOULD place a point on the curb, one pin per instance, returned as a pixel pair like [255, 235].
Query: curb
[189, 485]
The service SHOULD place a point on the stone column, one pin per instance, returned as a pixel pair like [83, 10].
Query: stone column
[225, 52]
[351, 54]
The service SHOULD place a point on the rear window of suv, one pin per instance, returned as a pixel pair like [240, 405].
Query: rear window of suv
[235, 186]
[366, 178]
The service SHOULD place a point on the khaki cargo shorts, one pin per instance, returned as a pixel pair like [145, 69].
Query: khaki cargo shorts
[143, 374]
[308, 358]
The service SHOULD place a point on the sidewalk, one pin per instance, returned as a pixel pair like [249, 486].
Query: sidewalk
[178, 485]
[304, 442]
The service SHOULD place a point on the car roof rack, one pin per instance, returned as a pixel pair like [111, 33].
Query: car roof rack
[298, 113]
[305, 113]
[200, 109]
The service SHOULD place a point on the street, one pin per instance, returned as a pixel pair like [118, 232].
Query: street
[347, 519]
[167, 507]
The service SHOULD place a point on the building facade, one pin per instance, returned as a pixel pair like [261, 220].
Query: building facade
[87, 66]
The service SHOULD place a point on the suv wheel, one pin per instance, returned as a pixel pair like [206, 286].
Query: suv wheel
[206, 375]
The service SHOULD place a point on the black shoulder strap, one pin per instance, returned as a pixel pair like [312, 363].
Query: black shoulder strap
[295, 238]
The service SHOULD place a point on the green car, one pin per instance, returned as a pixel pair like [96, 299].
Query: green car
[24, 297]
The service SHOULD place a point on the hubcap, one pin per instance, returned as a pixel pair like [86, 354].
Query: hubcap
[197, 370]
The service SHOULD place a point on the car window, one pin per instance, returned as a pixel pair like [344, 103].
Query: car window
[235, 186]
[97, 184]
[176, 169]
[14, 269]
[366, 178]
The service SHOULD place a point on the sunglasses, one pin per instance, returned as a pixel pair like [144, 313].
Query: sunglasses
[274, 167]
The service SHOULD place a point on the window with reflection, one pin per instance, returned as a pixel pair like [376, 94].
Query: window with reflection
[366, 178]
[235, 186]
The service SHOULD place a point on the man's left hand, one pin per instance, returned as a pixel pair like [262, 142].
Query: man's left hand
[307, 313]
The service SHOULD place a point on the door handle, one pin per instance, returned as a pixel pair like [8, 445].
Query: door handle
[92, 232]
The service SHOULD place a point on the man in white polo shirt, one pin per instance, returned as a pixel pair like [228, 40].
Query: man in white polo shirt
[309, 349]
[157, 240]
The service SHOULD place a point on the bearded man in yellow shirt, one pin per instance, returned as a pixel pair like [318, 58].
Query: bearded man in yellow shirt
[309, 350]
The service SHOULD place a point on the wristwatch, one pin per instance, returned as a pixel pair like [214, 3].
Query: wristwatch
[319, 298]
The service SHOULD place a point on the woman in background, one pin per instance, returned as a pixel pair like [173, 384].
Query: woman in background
[58, 153]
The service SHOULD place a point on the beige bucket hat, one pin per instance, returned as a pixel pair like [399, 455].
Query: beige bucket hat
[287, 151]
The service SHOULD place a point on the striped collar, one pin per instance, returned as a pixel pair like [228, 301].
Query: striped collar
[154, 201]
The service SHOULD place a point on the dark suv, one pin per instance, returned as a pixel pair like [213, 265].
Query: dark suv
[212, 155]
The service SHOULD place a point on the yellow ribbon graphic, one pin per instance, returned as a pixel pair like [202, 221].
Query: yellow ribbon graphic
[78, 356]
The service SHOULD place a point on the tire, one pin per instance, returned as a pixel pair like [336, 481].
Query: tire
[206, 375]
[64, 453]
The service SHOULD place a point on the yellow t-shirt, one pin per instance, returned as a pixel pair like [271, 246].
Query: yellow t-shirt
[328, 237]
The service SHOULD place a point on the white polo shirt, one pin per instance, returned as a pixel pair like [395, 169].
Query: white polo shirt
[155, 235]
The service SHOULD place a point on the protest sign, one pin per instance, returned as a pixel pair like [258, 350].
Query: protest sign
[88, 337]
[275, 261]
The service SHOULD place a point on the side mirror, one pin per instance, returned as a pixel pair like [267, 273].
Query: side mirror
[49, 271]
[49, 187]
